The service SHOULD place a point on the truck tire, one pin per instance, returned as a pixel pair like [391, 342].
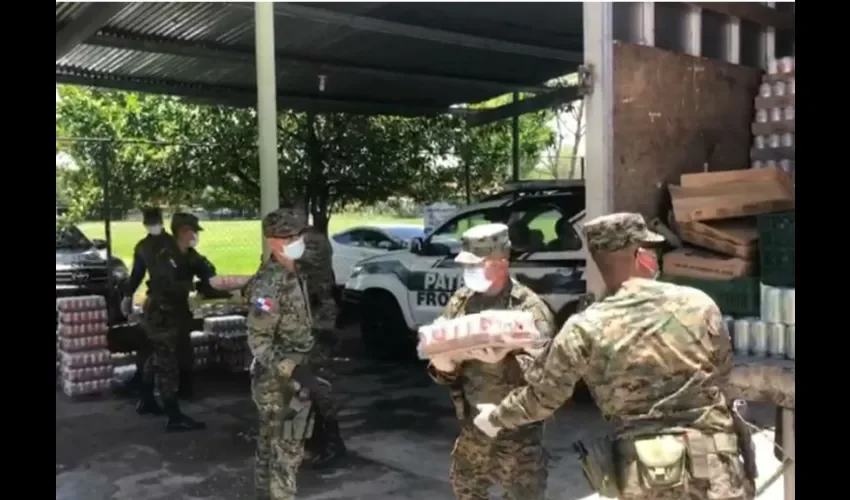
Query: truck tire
[383, 329]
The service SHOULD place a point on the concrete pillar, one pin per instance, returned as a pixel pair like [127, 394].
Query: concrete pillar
[266, 108]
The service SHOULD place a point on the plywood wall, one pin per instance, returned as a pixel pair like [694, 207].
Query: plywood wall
[673, 113]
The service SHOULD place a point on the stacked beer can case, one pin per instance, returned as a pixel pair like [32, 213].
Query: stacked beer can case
[737, 229]
[85, 364]
[231, 341]
[774, 128]
[204, 347]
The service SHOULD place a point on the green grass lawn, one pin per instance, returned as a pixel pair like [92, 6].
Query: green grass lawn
[233, 246]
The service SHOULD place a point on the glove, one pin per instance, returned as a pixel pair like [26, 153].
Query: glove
[126, 306]
[304, 375]
[482, 420]
[443, 363]
[489, 355]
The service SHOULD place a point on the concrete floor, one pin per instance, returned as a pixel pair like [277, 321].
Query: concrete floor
[398, 425]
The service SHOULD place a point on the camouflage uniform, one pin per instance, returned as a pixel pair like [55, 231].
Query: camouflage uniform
[516, 459]
[280, 337]
[655, 356]
[166, 314]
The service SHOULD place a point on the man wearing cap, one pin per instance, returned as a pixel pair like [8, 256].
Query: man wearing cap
[165, 315]
[144, 254]
[655, 357]
[280, 335]
[514, 460]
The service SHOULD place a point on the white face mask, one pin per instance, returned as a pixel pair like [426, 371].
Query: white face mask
[194, 241]
[154, 230]
[294, 250]
[473, 277]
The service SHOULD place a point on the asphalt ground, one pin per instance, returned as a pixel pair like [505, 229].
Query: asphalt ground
[398, 425]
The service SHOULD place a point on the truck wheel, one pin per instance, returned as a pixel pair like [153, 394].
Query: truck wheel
[383, 330]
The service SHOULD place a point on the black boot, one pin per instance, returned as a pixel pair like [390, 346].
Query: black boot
[184, 387]
[334, 449]
[177, 421]
[147, 404]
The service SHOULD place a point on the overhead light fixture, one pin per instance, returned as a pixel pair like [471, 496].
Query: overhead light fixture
[322, 80]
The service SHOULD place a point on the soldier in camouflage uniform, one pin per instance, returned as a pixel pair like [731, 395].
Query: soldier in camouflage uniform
[144, 255]
[280, 335]
[326, 444]
[515, 460]
[656, 357]
[166, 314]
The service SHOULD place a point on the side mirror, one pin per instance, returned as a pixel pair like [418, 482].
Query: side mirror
[416, 245]
[99, 244]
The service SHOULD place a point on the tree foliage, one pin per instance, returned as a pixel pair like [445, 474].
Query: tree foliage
[208, 154]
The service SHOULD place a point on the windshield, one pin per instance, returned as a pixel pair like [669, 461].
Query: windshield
[71, 237]
[405, 233]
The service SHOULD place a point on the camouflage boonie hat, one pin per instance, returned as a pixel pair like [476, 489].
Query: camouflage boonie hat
[613, 232]
[481, 242]
[182, 219]
[283, 222]
[151, 216]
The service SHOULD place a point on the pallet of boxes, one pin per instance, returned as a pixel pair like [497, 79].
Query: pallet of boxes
[85, 364]
[737, 229]
[229, 334]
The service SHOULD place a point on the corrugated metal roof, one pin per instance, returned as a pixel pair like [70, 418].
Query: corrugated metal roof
[231, 26]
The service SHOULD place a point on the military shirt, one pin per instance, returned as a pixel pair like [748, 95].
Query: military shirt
[171, 277]
[654, 355]
[144, 257]
[317, 267]
[279, 321]
[489, 383]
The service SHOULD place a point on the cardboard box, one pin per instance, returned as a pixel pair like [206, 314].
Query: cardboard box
[732, 194]
[701, 264]
[735, 237]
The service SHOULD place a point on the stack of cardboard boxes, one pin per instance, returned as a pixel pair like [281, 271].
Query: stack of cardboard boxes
[715, 217]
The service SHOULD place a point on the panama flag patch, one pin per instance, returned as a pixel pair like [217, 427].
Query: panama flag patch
[264, 305]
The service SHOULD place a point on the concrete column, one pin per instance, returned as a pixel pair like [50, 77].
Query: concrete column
[266, 108]
[599, 135]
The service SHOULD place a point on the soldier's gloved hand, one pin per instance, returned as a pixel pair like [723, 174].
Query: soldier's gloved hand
[304, 375]
[482, 420]
[443, 363]
[126, 306]
[489, 355]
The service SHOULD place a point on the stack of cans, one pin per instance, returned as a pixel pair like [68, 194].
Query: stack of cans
[773, 335]
[774, 127]
[231, 345]
[85, 364]
[203, 345]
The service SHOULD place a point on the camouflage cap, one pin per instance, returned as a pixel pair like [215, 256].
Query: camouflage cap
[481, 242]
[283, 222]
[613, 232]
[151, 216]
[182, 219]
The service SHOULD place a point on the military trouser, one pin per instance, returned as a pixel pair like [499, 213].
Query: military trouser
[185, 352]
[709, 468]
[162, 367]
[285, 422]
[515, 460]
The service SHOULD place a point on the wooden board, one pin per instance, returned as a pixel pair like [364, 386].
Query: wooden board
[673, 113]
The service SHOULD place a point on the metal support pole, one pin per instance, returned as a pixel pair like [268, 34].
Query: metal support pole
[515, 143]
[788, 440]
[107, 216]
[599, 138]
[266, 109]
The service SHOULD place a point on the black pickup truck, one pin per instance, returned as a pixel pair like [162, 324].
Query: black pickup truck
[82, 268]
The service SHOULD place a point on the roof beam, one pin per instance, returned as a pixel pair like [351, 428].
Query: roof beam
[371, 24]
[242, 97]
[536, 103]
[93, 17]
[752, 12]
[245, 55]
